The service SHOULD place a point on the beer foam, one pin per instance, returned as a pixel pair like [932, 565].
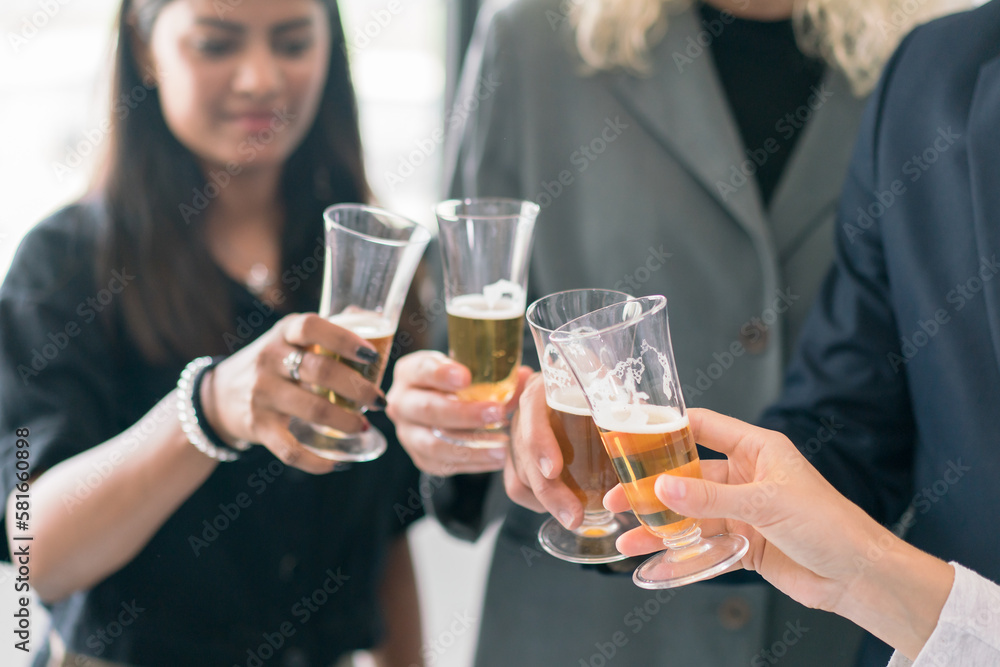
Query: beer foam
[640, 419]
[366, 324]
[478, 307]
[568, 400]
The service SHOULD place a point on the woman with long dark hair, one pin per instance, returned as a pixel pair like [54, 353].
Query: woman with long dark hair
[234, 124]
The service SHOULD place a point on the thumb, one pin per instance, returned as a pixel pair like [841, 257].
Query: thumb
[699, 498]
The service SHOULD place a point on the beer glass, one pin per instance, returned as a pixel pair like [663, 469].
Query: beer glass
[371, 256]
[485, 251]
[622, 357]
[587, 469]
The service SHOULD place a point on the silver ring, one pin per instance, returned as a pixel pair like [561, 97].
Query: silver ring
[292, 363]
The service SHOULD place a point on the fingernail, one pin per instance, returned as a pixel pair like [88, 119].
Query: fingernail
[379, 403]
[673, 487]
[492, 415]
[545, 465]
[367, 355]
[456, 378]
[365, 425]
[499, 453]
[565, 518]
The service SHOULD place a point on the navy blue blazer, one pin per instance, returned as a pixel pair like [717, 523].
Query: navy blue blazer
[894, 391]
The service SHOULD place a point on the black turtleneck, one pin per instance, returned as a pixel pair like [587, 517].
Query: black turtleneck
[768, 82]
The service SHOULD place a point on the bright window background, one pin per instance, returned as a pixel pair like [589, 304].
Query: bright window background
[54, 65]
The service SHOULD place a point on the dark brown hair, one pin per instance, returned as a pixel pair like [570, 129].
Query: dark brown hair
[177, 307]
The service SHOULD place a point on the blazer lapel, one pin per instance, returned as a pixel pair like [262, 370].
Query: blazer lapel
[984, 173]
[810, 185]
[683, 107]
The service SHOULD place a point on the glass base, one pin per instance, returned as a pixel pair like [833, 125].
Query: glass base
[592, 544]
[353, 447]
[479, 439]
[703, 559]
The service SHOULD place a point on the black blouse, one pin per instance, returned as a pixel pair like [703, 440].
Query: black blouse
[263, 560]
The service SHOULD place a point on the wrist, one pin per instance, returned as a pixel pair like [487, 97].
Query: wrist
[898, 593]
[191, 413]
[209, 405]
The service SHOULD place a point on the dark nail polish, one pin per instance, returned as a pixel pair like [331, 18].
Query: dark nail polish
[379, 403]
[367, 355]
[365, 426]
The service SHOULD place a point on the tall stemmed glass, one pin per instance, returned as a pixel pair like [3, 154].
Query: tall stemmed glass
[485, 251]
[587, 469]
[371, 256]
[622, 357]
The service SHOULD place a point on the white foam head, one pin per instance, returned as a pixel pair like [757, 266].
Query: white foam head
[642, 418]
[366, 324]
[569, 400]
[478, 307]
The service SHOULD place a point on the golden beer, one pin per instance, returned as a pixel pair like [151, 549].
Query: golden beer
[376, 330]
[587, 469]
[487, 337]
[641, 452]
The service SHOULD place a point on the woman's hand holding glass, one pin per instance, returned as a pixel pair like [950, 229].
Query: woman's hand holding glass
[532, 476]
[805, 538]
[423, 397]
[252, 395]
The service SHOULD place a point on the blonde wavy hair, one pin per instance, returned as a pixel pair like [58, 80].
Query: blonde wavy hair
[855, 36]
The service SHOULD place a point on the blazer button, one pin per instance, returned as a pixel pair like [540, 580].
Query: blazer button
[734, 613]
[754, 337]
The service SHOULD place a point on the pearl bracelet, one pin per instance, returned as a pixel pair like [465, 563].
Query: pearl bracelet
[191, 415]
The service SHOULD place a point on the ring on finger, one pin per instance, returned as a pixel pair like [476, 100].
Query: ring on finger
[292, 363]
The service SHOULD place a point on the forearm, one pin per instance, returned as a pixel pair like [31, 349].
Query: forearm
[401, 605]
[899, 594]
[144, 475]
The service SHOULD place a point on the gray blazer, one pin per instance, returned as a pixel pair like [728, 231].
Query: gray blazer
[641, 189]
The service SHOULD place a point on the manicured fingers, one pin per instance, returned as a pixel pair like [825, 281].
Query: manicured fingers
[293, 400]
[307, 329]
[273, 433]
[324, 371]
